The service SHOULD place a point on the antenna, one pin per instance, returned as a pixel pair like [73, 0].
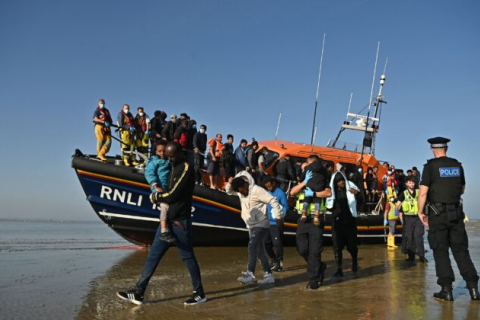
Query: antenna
[368, 136]
[318, 87]
[314, 135]
[349, 103]
[278, 125]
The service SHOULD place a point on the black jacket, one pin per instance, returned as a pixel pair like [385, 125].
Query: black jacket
[169, 130]
[318, 182]
[181, 183]
[284, 169]
[156, 127]
[200, 141]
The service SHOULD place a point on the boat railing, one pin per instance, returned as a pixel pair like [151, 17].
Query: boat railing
[347, 146]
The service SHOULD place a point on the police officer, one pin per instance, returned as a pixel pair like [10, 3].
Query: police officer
[442, 184]
[310, 236]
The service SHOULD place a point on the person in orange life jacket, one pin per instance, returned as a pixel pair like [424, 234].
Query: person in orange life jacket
[228, 159]
[126, 125]
[169, 128]
[213, 157]
[142, 123]
[180, 134]
[199, 148]
[102, 120]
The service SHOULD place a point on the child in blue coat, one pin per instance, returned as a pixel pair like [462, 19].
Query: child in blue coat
[156, 172]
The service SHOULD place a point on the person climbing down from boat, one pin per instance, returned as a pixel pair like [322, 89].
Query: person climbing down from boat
[213, 157]
[142, 123]
[275, 234]
[284, 172]
[310, 236]
[343, 206]
[390, 218]
[102, 120]
[156, 172]
[179, 197]
[126, 125]
[412, 239]
[254, 201]
[317, 183]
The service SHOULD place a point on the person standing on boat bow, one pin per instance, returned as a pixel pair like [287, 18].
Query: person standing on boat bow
[102, 120]
[441, 187]
[181, 183]
[126, 125]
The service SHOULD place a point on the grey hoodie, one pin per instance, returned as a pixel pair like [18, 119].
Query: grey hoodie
[254, 205]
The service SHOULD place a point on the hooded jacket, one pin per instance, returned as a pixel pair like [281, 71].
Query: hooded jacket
[254, 205]
[352, 202]
[156, 173]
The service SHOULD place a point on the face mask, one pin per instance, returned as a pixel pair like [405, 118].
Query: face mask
[126, 111]
[194, 126]
[101, 105]
[360, 170]
[202, 130]
[389, 172]
[140, 114]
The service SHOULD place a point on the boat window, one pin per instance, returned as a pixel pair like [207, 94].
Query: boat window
[270, 158]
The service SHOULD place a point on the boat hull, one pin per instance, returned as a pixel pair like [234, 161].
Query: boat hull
[120, 197]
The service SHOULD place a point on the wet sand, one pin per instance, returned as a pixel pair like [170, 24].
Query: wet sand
[386, 287]
[77, 277]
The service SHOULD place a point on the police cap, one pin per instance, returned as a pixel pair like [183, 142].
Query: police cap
[438, 142]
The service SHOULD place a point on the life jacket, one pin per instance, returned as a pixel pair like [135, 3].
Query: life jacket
[216, 147]
[141, 122]
[104, 115]
[391, 212]
[128, 119]
[183, 140]
[410, 205]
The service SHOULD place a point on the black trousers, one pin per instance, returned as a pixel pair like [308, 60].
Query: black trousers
[310, 245]
[198, 164]
[412, 238]
[344, 235]
[445, 234]
[274, 239]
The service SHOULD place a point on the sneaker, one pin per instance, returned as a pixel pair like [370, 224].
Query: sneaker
[247, 278]
[279, 266]
[267, 278]
[313, 285]
[132, 296]
[167, 236]
[196, 299]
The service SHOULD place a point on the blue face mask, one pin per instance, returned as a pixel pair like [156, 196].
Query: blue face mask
[101, 105]
[194, 126]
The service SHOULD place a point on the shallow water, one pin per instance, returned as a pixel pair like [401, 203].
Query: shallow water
[73, 271]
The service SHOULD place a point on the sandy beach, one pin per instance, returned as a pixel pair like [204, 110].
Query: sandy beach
[78, 279]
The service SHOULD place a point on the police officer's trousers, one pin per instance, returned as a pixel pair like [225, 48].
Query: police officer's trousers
[445, 234]
[344, 235]
[412, 238]
[310, 245]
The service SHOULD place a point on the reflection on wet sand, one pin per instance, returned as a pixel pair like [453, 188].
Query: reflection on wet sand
[386, 287]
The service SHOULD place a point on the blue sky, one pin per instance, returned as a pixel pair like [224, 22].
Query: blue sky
[233, 65]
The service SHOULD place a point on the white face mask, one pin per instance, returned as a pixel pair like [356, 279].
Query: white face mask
[140, 114]
[126, 110]
[202, 130]
[101, 105]
[389, 172]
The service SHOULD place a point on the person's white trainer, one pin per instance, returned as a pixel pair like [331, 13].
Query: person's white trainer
[247, 277]
[267, 278]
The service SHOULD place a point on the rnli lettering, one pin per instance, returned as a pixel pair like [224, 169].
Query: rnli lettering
[449, 172]
[121, 196]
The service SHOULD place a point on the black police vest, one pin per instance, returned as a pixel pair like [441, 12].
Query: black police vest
[446, 180]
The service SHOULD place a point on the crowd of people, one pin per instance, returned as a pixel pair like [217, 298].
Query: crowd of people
[316, 185]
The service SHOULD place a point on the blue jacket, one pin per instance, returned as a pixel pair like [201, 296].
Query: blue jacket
[241, 157]
[156, 172]
[282, 199]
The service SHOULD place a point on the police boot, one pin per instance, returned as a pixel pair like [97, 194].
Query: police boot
[444, 294]
[474, 294]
